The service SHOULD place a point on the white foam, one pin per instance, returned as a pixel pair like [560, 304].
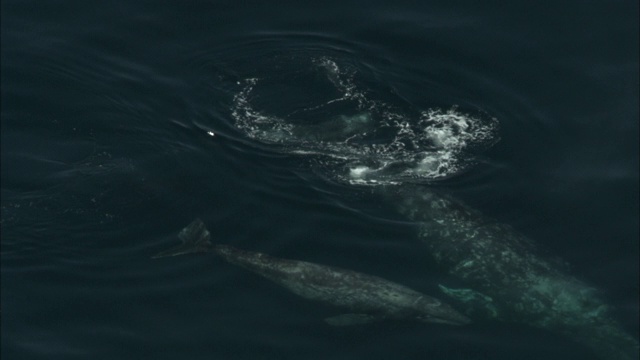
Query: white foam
[430, 147]
[358, 172]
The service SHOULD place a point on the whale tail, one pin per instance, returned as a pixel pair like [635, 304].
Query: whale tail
[195, 238]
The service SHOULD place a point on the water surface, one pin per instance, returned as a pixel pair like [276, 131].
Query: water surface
[108, 112]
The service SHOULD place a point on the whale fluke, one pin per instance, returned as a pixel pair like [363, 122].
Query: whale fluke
[195, 238]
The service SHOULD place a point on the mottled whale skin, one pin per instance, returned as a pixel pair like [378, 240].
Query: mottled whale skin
[370, 298]
[505, 276]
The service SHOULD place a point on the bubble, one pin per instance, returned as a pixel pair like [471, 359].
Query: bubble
[362, 140]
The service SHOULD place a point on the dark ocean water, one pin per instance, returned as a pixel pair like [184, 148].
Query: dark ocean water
[107, 114]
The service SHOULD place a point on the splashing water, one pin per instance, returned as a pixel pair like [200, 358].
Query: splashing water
[357, 139]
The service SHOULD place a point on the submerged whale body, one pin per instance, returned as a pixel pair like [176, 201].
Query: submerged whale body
[371, 297]
[507, 278]
[391, 150]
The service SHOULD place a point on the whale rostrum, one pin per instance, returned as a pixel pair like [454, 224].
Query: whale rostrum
[370, 298]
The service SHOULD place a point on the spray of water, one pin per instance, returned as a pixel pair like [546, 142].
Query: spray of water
[375, 143]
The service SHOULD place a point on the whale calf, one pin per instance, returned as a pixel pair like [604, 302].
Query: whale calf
[370, 298]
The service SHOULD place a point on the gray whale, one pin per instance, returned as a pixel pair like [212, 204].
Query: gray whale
[370, 297]
[506, 277]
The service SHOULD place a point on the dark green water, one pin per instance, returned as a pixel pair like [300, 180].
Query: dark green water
[106, 155]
